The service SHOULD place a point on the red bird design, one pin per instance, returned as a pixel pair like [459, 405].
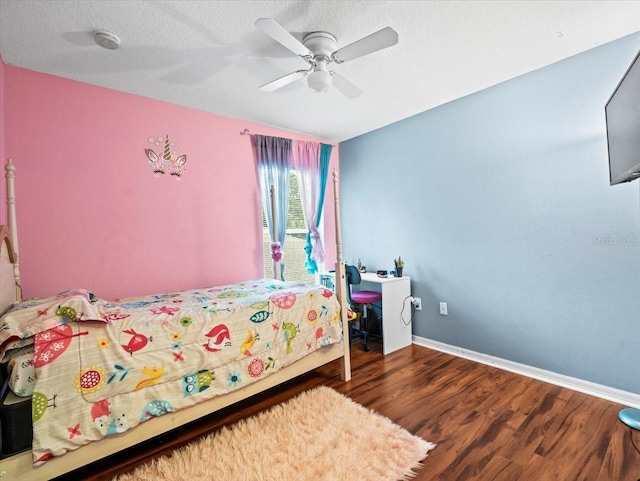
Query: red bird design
[137, 341]
[217, 337]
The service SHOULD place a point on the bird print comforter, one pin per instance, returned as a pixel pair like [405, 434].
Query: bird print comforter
[103, 367]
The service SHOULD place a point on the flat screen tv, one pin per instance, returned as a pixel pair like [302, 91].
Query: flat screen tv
[622, 113]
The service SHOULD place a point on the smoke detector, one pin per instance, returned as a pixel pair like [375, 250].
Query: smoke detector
[106, 39]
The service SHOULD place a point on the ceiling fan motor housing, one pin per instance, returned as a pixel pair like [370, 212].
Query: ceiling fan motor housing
[320, 43]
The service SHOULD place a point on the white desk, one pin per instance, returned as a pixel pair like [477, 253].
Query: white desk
[395, 333]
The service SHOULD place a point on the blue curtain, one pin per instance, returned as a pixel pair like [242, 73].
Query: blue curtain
[325, 156]
[273, 156]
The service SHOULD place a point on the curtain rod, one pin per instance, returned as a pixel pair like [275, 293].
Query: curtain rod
[248, 132]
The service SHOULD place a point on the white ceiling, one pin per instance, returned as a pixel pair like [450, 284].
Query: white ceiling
[208, 55]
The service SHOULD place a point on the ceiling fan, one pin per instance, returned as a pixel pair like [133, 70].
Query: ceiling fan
[318, 49]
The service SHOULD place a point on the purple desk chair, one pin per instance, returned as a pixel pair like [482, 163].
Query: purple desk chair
[360, 299]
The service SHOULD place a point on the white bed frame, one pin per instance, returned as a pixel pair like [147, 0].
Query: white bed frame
[20, 465]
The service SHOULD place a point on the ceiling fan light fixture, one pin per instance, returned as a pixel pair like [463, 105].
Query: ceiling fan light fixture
[319, 81]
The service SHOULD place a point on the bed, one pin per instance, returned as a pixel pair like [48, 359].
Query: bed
[111, 374]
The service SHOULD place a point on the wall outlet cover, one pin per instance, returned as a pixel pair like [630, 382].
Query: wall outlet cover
[443, 309]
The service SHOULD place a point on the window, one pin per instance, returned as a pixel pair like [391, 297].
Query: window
[296, 235]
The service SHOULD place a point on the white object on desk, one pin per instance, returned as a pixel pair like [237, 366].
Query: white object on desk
[395, 333]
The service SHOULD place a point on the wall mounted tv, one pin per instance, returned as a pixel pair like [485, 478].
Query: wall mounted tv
[622, 113]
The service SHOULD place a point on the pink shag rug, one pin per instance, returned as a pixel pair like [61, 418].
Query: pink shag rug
[318, 435]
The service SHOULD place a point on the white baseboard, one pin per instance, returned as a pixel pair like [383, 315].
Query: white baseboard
[610, 394]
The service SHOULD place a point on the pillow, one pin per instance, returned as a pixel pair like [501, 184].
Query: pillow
[30, 317]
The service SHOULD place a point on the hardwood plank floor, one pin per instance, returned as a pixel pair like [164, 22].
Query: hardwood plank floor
[488, 424]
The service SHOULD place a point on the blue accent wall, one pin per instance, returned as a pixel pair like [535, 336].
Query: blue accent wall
[500, 204]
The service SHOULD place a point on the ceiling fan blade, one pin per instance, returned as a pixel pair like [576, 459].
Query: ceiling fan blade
[345, 86]
[282, 81]
[376, 41]
[279, 34]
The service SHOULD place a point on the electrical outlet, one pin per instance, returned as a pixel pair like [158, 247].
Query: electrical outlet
[443, 309]
[417, 303]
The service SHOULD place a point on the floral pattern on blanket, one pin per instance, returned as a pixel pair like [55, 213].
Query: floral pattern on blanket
[103, 367]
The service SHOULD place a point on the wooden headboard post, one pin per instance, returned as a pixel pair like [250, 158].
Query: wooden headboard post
[12, 223]
[341, 283]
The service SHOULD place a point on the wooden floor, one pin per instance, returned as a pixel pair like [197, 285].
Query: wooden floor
[488, 424]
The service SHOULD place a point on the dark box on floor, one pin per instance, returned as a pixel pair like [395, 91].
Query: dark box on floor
[15, 422]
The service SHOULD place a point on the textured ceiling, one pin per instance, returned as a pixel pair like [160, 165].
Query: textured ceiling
[208, 55]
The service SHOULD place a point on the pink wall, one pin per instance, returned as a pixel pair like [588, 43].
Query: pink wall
[3, 218]
[91, 213]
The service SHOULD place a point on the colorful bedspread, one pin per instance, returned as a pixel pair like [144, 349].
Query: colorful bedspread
[103, 367]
